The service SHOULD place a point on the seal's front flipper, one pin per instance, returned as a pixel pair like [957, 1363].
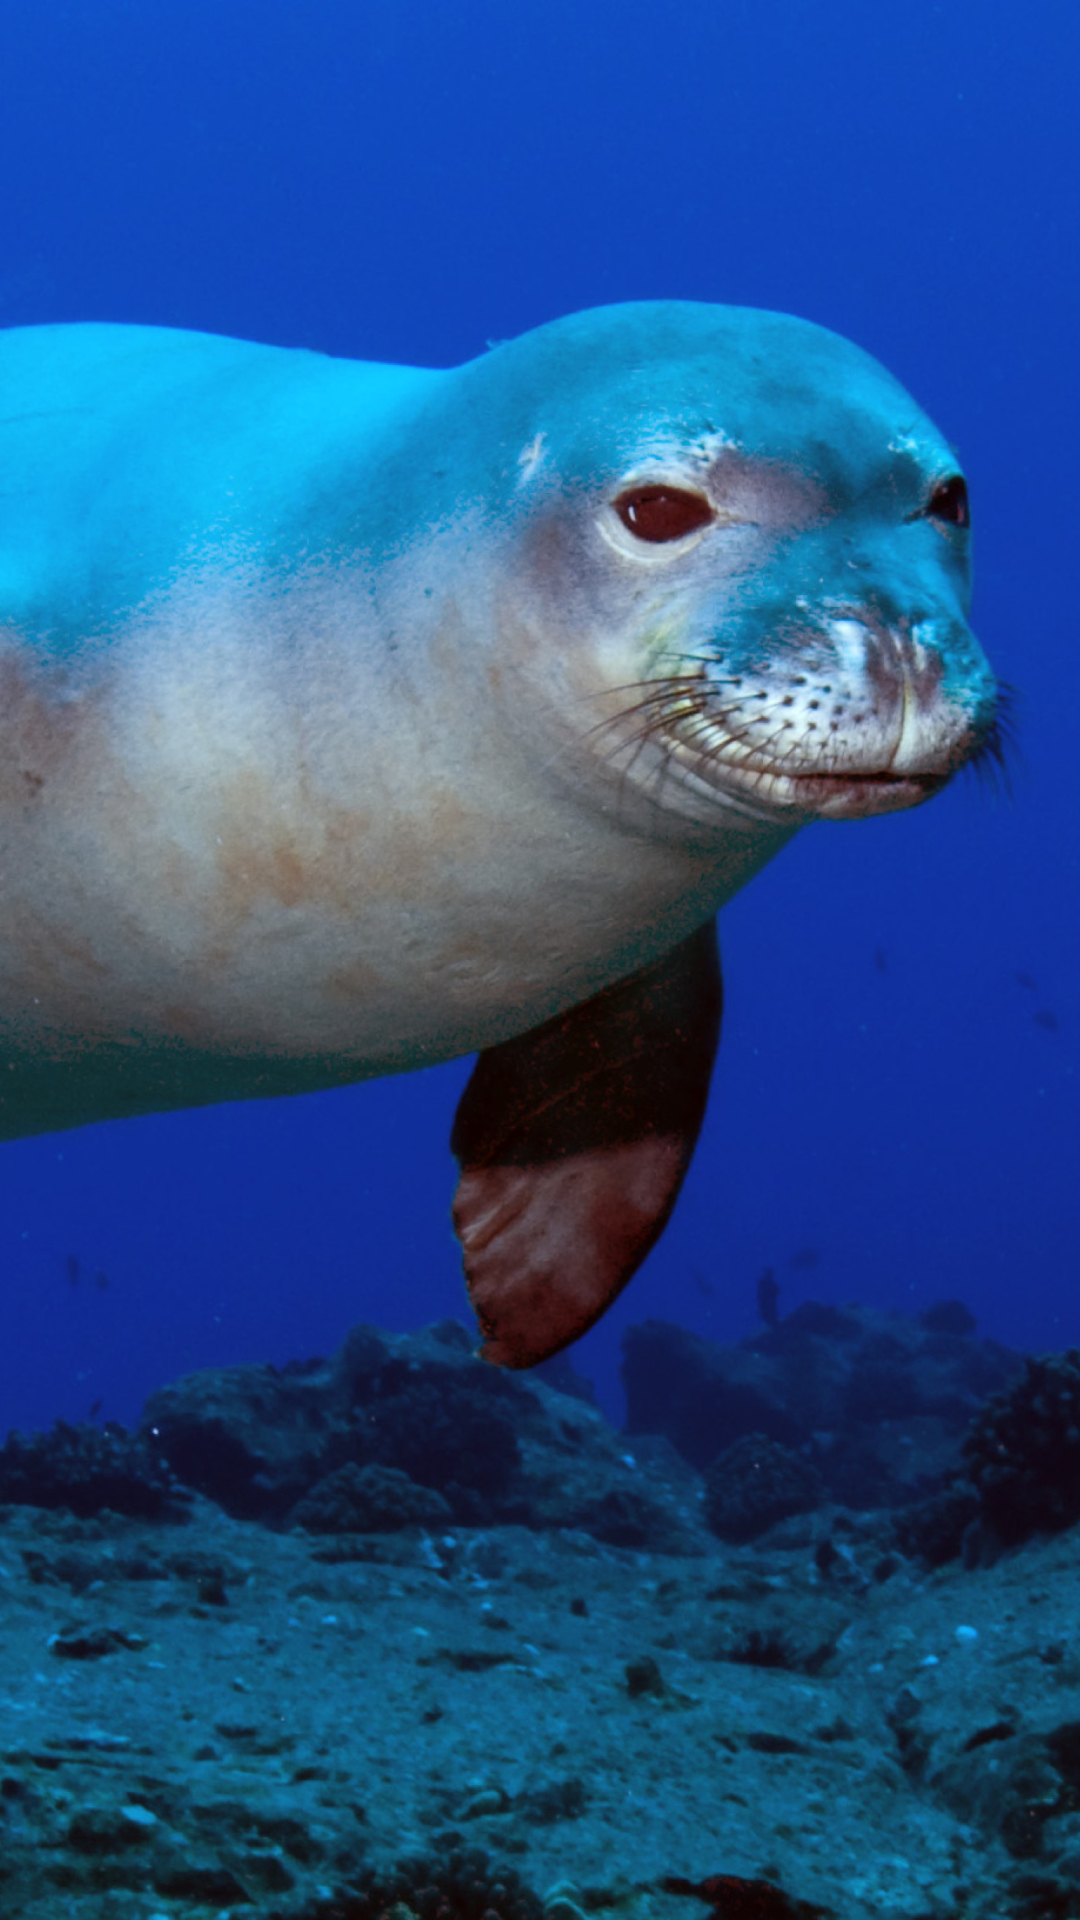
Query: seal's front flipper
[573, 1141]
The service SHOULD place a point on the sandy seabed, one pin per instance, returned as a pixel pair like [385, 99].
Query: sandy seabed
[214, 1718]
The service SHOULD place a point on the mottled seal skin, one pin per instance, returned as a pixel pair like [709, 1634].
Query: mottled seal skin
[355, 717]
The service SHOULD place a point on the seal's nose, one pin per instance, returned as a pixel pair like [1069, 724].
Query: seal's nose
[903, 667]
[906, 670]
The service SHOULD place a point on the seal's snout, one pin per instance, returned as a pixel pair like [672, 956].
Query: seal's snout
[905, 671]
[840, 712]
[923, 700]
[903, 668]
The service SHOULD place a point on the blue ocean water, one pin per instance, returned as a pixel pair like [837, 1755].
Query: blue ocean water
[895, 1113]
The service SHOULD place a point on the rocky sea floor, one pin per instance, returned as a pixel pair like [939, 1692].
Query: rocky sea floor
[213, 1713]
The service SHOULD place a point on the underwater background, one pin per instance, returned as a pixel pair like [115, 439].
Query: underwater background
[894, 1118]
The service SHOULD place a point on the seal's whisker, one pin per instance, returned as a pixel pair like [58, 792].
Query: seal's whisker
[634, 742]
[661, 703]
[650, 689]
[679, 728]
[657, 701]
[663, 714]
[994, 758]
[654, 683]
[718, 755]
[749, 731]
[704, 679]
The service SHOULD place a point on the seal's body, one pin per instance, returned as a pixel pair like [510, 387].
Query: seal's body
[354, 717]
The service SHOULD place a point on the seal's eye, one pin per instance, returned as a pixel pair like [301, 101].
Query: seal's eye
[949, 501]
[662, 513]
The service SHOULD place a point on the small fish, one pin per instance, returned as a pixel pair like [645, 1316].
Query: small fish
[94, 1409]
[881, 960]
[703, 1286]
[805, 1257]
[101, 1281]
[1025, 980]
[768, 1293]
[72, 1265]
[1047, 1019]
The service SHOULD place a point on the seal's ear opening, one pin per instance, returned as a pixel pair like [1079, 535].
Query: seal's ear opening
[573, 1142]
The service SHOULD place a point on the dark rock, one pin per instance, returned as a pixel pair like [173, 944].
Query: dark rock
[755, 1483]
[88, 1469]
[892, 1462]
[780, 1635]
[850, 1563]
[905, 1708]
[210, 1886]
[643, 1676]
[76, 1571]
[284, 1830]
[1020, 1828]
[762, 1647]
[483, 1805]
[732, 1897]
[1063, 1746]
[626, 1517]
[1044, 1896]
[985, 1736]
[496, 1448]
[948, 1316]
[471, 1659]
[95, 1643]
[452, 1430]
[458, 1884]
[913, 1743]
[560, 1372]
[266, 1871]
[197, 1564]
[1013, 1788]
[553, 1800]
[257, 1439]
[100, 1830]
[701, 1395]
[369, 1500]
[1023, 1451]
[253, 1439]
[251, 1740]
[881, 1399]
[822, 1322]
[834, 1730]
[933, 1530]
[777, 1743]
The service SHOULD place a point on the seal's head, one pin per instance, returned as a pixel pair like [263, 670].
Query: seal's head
[756, 550]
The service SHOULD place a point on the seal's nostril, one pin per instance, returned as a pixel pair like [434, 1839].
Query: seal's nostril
[949, 502]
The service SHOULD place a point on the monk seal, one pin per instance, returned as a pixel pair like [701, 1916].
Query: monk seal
[354, 717]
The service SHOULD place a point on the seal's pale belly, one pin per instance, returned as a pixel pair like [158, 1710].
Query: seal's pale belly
[199, 857]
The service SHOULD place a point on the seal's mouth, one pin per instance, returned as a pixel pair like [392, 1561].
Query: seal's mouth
[762, 787]
[839, 796]
[765, 758]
